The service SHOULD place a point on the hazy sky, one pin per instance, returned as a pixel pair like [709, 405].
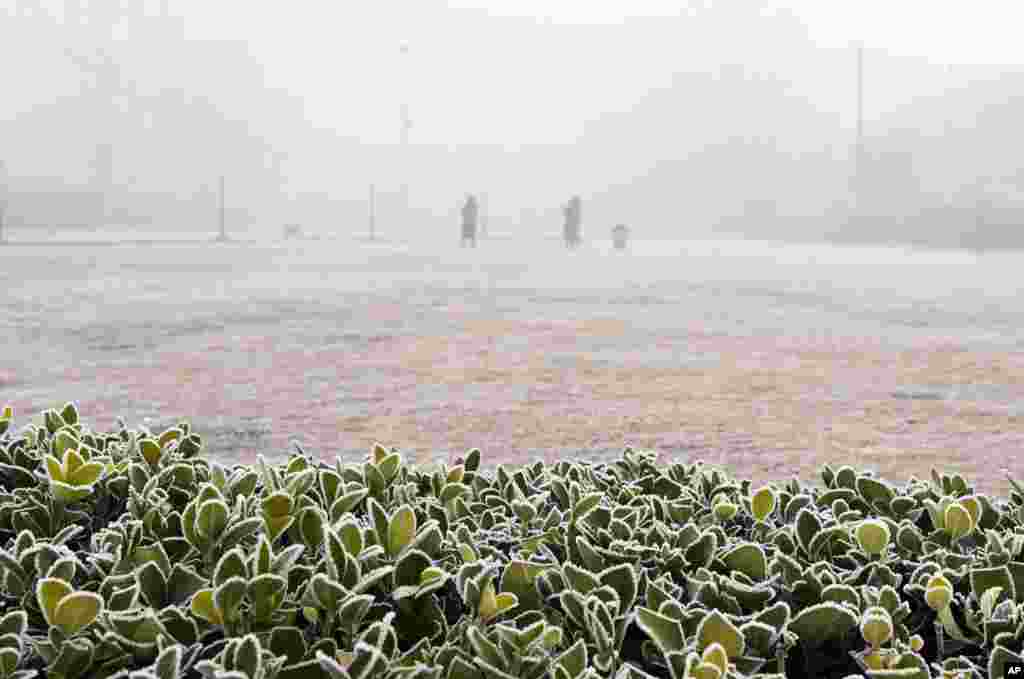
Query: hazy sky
[602, 90]
[983, 31]
[482, 71]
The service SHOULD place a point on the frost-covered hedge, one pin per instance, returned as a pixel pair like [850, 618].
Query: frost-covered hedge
[129, 554]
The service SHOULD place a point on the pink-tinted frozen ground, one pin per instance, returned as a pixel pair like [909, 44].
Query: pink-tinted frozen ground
[768, 362]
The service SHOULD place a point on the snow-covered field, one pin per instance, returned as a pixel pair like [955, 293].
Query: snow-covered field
[761, 355]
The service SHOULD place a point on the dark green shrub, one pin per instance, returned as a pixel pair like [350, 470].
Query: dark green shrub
[129, 554]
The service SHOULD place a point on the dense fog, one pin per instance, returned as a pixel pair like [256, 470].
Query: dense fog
[717, 118]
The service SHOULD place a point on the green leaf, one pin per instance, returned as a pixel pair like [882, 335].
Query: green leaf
[700, 553]
[452, 491]
[665, 632]
[238, 531]
[154, 553]
[278, 504]
[988, 601]
[380, 521]
[183, 583]
[288, 642]
[622, 579]
[347, 502]
[817, 624]
[984, 579]
[152, 584]
[228, 596]
[168, 663]
[839, 593]
[327, 592]
[487, 607]
[409, 566]
[230, 565]
[49, 592]
[874, 491]
[748, 558]
[212, 519]
[351, 536]
[54, 469]
[872, 536]
[952, 628]
[375, 481]
[264, 554]
[64, 441]
[485, 648]
[716, 628]
[15, 622]
[63, 569]
[574, 660]
[285, 559]
[431, 574]
[311, 526]
[69, 413]
[77, 611]
[67, 494]
[188, 525]
[372, 578]
[587, 504]
[9, 658]
[762, 503]
[73, 460]
[958, 521]
[401, 530]
[876, 626]
[519, 578]
[505, 601]
[354, 609]
[203, 606]
[150, 450]
[266, 592]
[248, 656]
[389, 466]
[759, 637]
[807, 526]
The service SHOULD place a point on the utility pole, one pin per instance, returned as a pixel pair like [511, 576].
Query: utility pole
[373, 212]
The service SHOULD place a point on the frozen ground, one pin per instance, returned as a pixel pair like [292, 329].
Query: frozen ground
[765, 357]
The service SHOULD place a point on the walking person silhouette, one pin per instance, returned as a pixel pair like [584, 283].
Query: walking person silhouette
[470, 214]
[571, 228]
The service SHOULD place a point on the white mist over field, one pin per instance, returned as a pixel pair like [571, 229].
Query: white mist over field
[249, 214]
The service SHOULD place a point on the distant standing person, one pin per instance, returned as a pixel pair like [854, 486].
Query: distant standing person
[470, 213]
[620, 234]
[571, 230]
